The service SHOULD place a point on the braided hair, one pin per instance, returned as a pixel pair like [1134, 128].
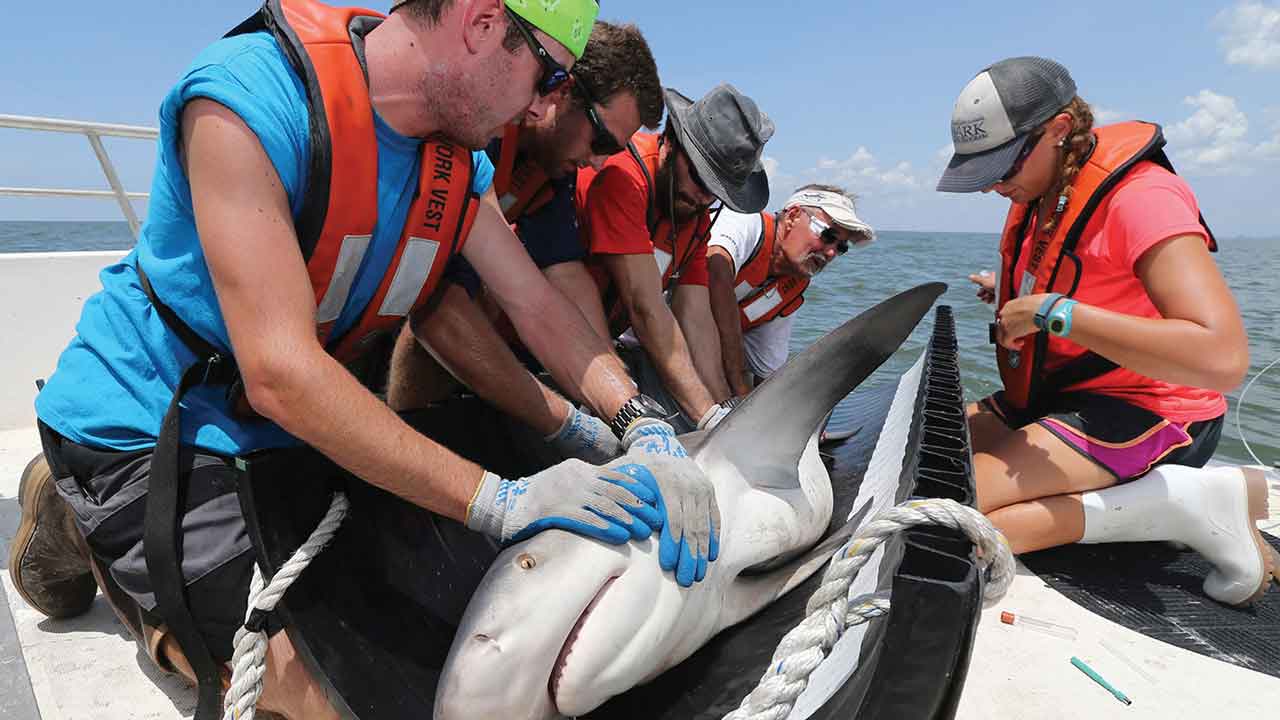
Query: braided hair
[1077, 146]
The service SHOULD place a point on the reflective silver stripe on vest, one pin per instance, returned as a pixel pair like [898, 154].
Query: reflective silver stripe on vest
[344, 276]
[415, 266]
[744, 289]
[763, 304]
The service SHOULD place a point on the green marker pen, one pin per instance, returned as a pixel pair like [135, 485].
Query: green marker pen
[1098, 679]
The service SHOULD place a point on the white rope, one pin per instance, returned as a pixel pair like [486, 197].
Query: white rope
[830, 612]
[249, 660]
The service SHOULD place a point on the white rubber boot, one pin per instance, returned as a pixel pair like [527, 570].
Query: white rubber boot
[1212, 510]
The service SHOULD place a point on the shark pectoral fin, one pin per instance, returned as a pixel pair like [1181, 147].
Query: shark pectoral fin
[837, 436]
[751, 593]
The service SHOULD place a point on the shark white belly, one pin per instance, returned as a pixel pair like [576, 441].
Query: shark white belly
[561, 623]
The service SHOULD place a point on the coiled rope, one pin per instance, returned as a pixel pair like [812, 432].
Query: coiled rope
[249, 659]
[830, 612]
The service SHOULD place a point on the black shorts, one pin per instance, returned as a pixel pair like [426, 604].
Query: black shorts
[107, 491]
[432, 560]
[1124, 439]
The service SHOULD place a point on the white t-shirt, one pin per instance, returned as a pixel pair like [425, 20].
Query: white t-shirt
[766, 346]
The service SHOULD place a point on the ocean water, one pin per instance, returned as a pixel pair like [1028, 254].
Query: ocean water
[897, 261]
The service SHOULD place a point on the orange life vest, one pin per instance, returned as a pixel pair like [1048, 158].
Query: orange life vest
[340, 208]
[763, 297]
[673, 247]
[524, 188]
[334, 229]
[1054, 266]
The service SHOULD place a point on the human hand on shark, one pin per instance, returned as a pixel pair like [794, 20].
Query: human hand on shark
[609, 618]
[654, 486]
[585, 437]
[690, 537]
[596, 502]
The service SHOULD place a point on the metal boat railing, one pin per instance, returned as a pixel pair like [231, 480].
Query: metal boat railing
[94, 132]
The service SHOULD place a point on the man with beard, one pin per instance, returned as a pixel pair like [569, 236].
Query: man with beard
[284, 234]
[645, 221]
[758, 267]
[614, 90]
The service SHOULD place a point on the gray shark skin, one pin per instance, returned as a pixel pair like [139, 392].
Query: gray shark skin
[562, 623]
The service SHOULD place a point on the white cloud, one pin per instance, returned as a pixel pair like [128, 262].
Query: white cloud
[1107, 116]
[781, 184]
[1212, 139]
[865, 175]
[1251, 34]
[1271, 148]
[770, 166]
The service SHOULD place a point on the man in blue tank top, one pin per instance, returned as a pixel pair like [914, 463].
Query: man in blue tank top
[223, 266]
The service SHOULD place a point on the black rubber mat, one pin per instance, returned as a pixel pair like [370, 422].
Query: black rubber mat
[1156, 590]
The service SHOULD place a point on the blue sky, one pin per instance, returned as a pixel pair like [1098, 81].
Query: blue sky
[861, 92]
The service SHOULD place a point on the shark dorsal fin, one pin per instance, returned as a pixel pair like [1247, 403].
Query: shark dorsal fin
[774, 424]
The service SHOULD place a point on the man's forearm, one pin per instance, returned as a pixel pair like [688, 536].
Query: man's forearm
[662, 339]
[457, 333]
[692, 309]
[559, 336]
[724, 310]
[314, 398]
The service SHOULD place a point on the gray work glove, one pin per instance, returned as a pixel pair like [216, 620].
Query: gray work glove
[597, 502]
[714, 415]
[690, 537]
[585, 437]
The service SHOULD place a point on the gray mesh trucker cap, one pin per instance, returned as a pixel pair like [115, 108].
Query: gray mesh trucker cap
[995, 114]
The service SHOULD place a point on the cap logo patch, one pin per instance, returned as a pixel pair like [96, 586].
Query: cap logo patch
[968, 131]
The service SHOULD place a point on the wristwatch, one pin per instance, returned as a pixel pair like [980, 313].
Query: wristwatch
[638, 406]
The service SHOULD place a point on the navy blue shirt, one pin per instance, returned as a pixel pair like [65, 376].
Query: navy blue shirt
[549, 234]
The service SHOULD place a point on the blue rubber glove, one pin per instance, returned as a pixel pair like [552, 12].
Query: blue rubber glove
[690, 537]
[585, 437]
[596, 502]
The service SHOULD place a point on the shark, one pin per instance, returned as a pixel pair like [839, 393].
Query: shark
[560, 623]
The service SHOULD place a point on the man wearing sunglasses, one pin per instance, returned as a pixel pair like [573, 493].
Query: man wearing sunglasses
[284, 233]
[645, 220]
[614, 90]
[759, 266]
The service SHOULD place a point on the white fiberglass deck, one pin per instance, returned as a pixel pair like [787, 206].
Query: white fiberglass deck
[88, 667]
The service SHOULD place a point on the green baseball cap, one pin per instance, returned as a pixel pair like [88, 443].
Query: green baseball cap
[568, 21]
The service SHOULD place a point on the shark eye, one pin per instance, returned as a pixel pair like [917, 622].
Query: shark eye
[526, 562]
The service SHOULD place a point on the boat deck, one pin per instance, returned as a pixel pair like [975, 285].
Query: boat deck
[88, 667]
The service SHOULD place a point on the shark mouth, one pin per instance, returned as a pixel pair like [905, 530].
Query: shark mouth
[557, 671]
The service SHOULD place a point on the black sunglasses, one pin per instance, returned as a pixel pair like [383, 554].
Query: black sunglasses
[602, 141]
[693, 171]
[826, 233]
[553, 73]
[1023, 154]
